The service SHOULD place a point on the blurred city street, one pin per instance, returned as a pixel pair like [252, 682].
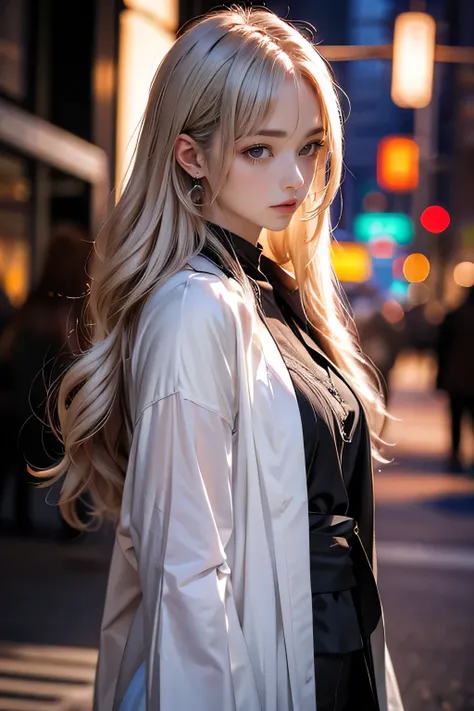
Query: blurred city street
[425, 525]
[81, 104]
[425, 529]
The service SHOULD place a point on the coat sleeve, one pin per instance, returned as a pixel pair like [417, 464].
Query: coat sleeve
[181, 523]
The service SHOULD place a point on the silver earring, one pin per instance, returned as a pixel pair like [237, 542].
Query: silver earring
[196, 194]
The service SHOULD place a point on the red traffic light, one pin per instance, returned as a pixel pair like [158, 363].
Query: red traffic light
[435, 219]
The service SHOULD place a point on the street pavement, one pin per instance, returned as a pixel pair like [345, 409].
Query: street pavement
[51, 599]
[51, 594]
[46, 678]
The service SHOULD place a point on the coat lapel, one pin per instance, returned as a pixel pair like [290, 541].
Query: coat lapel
[275, 469]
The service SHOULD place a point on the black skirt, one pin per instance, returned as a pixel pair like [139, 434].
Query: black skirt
[343, 682]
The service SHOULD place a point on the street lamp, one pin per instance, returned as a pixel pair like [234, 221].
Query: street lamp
[413, 60]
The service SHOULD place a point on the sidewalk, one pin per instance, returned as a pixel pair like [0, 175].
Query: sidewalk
[417, 499]
[425, 543]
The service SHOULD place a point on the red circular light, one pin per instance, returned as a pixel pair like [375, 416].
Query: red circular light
[435, 219]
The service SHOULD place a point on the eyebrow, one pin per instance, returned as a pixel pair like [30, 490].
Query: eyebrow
[276, 133]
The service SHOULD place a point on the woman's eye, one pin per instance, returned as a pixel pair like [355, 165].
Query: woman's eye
[311, 148]
[257, 152]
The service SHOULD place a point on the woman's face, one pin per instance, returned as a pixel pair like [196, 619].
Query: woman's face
[274, 166]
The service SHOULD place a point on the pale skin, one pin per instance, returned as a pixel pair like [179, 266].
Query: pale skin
[267, 169]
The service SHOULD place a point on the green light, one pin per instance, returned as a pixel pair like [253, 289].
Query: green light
[371, 226]
[399, 289]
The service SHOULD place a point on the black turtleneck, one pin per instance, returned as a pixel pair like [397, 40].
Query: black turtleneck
[333, 425]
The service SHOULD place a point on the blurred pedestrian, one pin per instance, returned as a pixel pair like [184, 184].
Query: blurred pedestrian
[421, 331]
[37, 345]
[456, 372]
[382, 336]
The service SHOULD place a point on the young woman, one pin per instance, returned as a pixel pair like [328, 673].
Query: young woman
[223, 415]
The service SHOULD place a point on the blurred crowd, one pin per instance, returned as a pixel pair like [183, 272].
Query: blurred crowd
[386, 328]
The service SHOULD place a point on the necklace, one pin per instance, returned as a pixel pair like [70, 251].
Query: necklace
[337, 404]
[337, 395]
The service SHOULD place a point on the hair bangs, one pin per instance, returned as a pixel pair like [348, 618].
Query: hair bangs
[258, 93]
[251, 90]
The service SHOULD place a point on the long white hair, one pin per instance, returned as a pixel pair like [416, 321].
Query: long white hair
[221, 77]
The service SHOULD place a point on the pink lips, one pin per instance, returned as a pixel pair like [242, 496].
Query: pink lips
[288, 203]
[286, 208]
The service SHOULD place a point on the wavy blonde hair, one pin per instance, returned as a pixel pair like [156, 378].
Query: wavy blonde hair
[220, 78]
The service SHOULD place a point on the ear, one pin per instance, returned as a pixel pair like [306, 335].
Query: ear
[190, 156]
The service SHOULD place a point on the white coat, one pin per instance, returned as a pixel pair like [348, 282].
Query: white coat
[208, 605]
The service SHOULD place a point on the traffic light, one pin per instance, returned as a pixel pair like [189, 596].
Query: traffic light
[397, 163]
[413, 60]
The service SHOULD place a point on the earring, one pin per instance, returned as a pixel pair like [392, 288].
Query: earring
[196, 194]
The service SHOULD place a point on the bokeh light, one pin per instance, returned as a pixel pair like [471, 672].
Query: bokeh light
[399, 290]
[352, 262]
[416, 268]
[397, 267]
[397, 163]
[435, 219]
[434, 312]
[382, 248]
[393, 312]
[418, 293]
[463, 274]
[375, 202]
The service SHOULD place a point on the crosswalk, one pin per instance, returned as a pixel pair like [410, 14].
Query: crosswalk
[37, 678]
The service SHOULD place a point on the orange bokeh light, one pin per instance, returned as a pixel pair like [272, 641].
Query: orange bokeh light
[397, 163]
[416, 268]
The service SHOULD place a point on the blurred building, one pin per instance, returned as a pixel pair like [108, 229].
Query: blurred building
[72, 79]
[52, 166]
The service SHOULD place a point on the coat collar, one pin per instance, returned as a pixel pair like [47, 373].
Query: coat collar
[247, 254]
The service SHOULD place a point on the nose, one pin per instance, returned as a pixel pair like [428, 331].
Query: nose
[293, 179]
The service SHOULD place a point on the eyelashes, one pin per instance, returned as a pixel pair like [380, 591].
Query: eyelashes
[314, 146]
